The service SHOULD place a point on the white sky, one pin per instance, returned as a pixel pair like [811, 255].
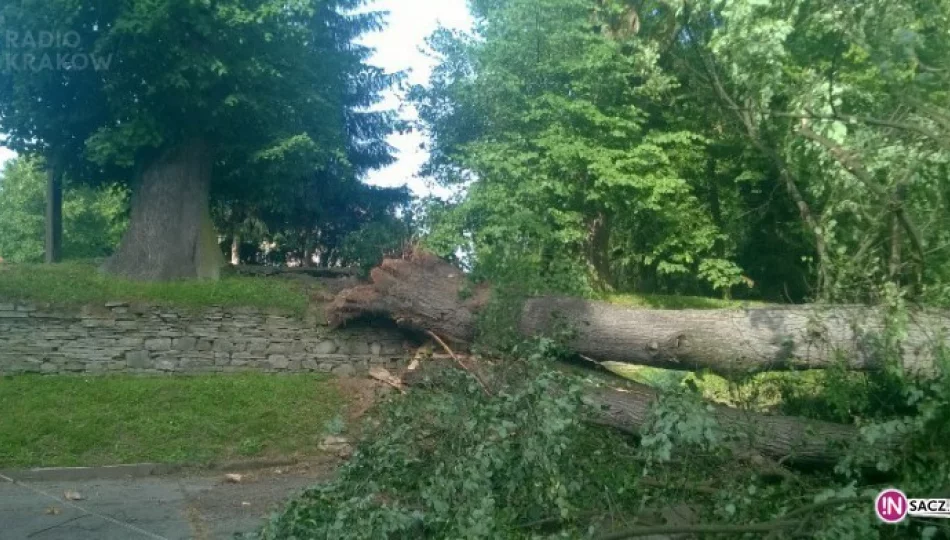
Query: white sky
[400, 48]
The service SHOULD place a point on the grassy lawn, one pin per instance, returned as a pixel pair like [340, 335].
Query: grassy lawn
[79, 282]
[71, 421]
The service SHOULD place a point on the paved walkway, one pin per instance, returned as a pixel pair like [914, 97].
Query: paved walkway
[157, 508]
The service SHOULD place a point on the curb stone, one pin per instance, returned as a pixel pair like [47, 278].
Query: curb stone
[136, 470]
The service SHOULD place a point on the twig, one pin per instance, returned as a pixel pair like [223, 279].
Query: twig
[384, 376]
[591, 360]
[459, 361]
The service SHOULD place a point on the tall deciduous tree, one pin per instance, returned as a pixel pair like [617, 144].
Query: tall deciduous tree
[557, 123]
[181, 93]
[658, 144]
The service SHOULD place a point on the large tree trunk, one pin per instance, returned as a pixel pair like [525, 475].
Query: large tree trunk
[748, 434]
[782, 438]
[426, 293]
[737, 341]
[170, 234]
[54, 212]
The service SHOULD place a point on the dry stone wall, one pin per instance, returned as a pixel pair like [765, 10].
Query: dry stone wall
[122, 338]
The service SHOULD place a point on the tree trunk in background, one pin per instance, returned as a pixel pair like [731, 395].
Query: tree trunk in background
[170, 234]
[54, 213]
[598, 251]
[426, 293]
[235, 250]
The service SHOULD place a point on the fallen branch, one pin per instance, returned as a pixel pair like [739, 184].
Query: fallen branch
[384, 376]
[459, 362]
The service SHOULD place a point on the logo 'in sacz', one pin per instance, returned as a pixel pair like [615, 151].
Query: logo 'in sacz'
[891, 506]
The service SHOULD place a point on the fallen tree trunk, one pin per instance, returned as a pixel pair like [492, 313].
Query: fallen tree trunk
[780, 438]
[766, 440]
[426, 293]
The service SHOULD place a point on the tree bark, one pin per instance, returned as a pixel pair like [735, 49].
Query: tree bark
[734, 341]
[54, 213]
[759, 437]
[427, 294]
[784, 438]
[170, 234]
[599, 250]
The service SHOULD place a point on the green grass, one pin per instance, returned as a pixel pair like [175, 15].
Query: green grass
[662, 301]
[71, 421]
[75, 283]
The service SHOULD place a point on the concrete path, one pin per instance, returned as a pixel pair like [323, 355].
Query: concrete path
[204, 507]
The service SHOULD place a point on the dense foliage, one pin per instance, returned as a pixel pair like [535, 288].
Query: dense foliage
[449, 461]
[93, 218]
[171, 70]
[795, 148]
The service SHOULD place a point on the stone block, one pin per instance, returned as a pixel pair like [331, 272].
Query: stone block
[185, 344]
[158, 344]
[96, 367]
[345, 370]
[278, 348]
[222, 358]
[196, 363]
[223, 345]
[358, 348]
[137, 359]
[166, 365]
[278, 361]
[256, 345]
[131, 342]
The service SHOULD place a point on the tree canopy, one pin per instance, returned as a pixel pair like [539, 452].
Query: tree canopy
[257, 91]
[783, 149]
